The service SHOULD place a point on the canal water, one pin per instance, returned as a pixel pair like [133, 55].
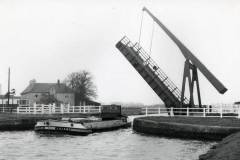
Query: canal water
[122, 144]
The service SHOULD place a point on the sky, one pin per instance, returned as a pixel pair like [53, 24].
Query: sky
[47, 40]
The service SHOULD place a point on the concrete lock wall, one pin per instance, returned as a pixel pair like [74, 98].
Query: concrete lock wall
[180, 130]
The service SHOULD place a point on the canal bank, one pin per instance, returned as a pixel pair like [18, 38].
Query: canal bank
[225, 129]
[227, 149]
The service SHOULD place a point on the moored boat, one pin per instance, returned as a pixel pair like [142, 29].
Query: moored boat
[110, 118]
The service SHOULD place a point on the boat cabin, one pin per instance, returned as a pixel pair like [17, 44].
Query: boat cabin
[111, 112]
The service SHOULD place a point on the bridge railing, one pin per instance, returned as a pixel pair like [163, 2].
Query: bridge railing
[53, 109]
[209, 111]
[154, 111]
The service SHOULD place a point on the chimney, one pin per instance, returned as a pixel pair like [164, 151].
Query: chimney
[32, 81]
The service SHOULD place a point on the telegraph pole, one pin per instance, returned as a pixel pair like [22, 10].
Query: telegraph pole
[8, 93]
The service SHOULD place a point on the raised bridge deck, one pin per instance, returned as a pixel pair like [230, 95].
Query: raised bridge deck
[151, 73]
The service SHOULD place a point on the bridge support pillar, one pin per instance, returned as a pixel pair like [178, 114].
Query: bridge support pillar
[190, 73]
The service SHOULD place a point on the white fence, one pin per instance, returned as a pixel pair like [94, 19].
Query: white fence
[53, 109]
[209, 111]
[7, 109]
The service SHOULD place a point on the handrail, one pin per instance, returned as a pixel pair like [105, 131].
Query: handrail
[193, 112]
[148, 61]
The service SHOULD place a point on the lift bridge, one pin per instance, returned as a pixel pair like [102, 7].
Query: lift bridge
[167, 91]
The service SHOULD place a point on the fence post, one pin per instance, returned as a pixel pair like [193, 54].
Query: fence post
[99, 109]
[204, 112]
[49, 108]
[80, 109]
[73, 107]
[221, 111]
[146, 111]
[34, 108]
[53, 108]
[18, 110]
[84, 109]
[159, 110]
[42, 108]
[68, 108]
[187, 111]
[238, 111]
[87, 109]
[171, 113]
[62, 111]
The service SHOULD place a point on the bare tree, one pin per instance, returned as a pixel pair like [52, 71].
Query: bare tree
[82, 84]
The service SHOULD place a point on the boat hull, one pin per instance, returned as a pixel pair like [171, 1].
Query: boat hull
[65, 127]
[62, 130]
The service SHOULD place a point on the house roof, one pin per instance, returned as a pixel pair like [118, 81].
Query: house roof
[45, 88]
[38, 88]
[61, 88]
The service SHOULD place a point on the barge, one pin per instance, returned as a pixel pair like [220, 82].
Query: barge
[110, 118]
